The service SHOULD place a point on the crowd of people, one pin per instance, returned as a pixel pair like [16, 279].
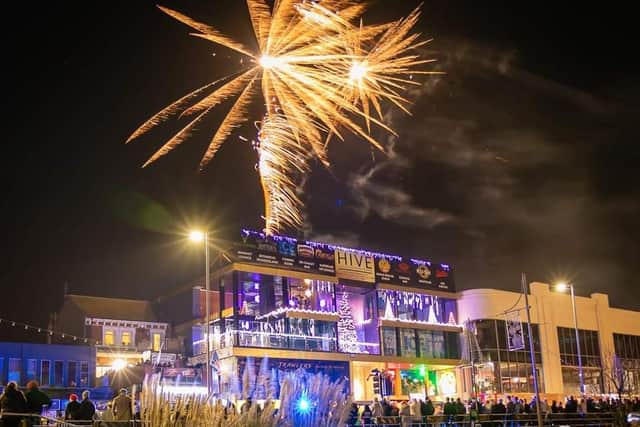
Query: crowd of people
[18, 408]
[414, 411]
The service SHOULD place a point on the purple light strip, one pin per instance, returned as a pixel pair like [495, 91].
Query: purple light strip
[247, 232]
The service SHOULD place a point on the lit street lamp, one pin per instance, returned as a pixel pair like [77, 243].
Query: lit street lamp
[199, 237]
[562, 287]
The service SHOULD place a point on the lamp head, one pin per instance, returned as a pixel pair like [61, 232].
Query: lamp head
[196, 236]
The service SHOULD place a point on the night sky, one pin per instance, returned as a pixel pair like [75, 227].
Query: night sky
[522, 157]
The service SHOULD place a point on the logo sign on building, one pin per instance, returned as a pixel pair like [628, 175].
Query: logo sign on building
[515, 336]
[354, 266]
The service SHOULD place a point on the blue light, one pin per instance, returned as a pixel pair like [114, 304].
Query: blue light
[303, 405]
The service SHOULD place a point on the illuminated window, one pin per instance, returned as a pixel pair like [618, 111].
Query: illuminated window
[126, 338]
[109, 338]
[157, 341]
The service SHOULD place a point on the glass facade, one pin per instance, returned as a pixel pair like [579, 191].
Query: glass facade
[499, 370]
[627, 349]
[267, 311]
[401, 305]
[591, 361]
[425, 344]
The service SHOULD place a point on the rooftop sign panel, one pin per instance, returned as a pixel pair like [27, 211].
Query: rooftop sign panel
[341, 262]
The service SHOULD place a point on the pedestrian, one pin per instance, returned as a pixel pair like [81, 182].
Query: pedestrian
[36, 400]
[12, 401]
[367, 414]
[72, 410]
[87, 409]
[122, 406]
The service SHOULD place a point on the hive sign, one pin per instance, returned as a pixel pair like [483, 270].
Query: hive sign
[354, 266]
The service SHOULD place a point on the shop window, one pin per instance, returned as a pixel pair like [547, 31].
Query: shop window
[259, 294]
[125, 338]
[389, 342]
[157, 341]
[32, 369]
[45, 372]
[269, 333]
[407, 342]
[402, 305]
[14, 370]
[109, 337]
[317, 295]
[84, 374]
[58, 370]
[438, 345]
[357, 326]
[72, 373]
[425, 343]
[312, 335]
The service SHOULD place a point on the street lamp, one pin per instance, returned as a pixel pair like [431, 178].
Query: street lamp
[199, 237]
[562, 287]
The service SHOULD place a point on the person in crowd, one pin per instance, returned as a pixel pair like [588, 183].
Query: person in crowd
[36, 399]
[353, 414]
[72, 411]
[367, 414]
[387, 410]
[449, 410]
[87, 409]
[404, 412]
[498, 408]
[571, 407]
[427, 407]
[376, 408]
[122, 406]
[460, 408]
[12, 401]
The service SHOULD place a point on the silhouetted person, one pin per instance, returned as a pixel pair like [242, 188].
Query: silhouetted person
[12, 400]
[72, 410]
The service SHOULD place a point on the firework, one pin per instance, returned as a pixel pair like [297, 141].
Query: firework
[319, 71]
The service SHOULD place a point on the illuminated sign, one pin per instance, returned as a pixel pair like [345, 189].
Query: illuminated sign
[354, 266]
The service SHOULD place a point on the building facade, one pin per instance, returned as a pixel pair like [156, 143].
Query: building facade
[59, 367]
[284, 304]
[609, 342]
[124, 332]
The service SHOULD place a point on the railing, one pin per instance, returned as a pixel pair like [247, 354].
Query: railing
[490, 420]
[36, 420]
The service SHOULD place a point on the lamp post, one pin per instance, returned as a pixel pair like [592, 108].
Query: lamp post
[199, 236]
[525, 291]
[562, 287]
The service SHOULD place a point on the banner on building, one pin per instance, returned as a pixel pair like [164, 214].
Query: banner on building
[343, 263]
[354, 266]
[515, 335]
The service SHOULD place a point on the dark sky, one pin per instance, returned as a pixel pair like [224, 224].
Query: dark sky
[521, 158]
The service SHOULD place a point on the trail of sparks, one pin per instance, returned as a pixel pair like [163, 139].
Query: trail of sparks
[319, 71]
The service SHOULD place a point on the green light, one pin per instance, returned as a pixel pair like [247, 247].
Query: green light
[423, 371]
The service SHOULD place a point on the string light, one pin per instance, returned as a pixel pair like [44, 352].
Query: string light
[27, 327]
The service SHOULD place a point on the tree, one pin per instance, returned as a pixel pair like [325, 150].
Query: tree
[616, 375]
[347, 336]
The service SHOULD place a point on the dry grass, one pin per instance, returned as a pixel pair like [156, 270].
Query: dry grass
[328, 404]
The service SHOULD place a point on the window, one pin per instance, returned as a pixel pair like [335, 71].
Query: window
[58, 370]
[259, 294]
[32, 369]
[407, 342]
[84, 374]
[45, 372]
[414, 306]
[425, 344]
[627, 346]
[357, 308]
[109, 337]
[72, 373]
[157, 341]
[309, 294]
[589, 347]
[389, 342]
[2, 370]
[126, 338]
[14, 370]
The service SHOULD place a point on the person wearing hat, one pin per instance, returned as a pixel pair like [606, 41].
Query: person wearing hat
[73, 408]
[122, 406]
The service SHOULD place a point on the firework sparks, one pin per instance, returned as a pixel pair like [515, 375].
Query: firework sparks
[318, 73]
